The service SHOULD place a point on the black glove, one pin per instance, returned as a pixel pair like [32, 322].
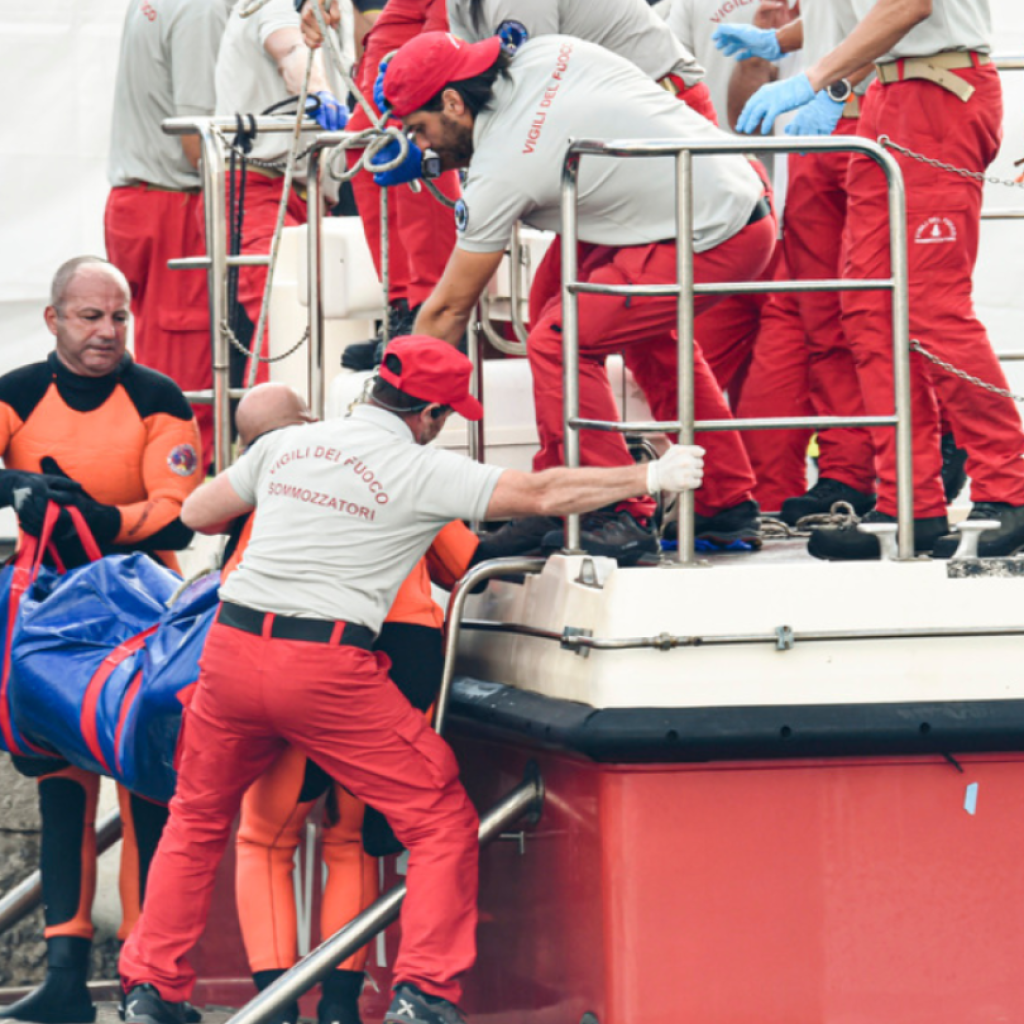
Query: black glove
[104, 521]
[30, 493]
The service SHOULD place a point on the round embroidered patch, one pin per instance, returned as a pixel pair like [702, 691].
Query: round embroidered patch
[461, 215]
[183, 460]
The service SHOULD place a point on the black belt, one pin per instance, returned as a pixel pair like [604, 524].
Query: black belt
[288, 627]
[762, 209]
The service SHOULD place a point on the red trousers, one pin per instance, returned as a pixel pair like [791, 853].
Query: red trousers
[943, 220]
[262, 200]
[144, 228]
[814, 221]
[421, 230]
[643, 328]
[255, 695]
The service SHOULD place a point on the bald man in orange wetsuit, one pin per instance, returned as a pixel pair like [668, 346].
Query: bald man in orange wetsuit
[275, 808]
[126, 438]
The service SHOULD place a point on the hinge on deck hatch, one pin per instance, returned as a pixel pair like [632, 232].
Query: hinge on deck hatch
[567, 644]
[784, 639]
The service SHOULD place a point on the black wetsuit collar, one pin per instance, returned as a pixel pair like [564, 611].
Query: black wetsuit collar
[85, 394]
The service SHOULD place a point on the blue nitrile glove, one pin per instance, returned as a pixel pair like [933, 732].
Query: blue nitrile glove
[817, 118]
[773, 99]
[331, 115]
[378, 88]
[409, 169]
[512, 35]
[743, 41]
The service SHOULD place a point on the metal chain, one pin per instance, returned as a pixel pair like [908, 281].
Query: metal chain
[238, 346]
[916, 346]
[884, 140]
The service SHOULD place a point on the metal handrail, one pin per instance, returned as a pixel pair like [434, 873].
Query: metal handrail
[685, 289]
[28, 894]
[460, 593]
[526, 798]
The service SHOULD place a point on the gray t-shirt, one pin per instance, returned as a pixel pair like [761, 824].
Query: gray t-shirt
[626, 27]
[344, 510]
[248, 81]
[560, 88]
[168, 52]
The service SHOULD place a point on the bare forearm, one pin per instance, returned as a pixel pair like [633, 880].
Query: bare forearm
[886, 23]
[791, 36]
[440, 321]
[560, 491]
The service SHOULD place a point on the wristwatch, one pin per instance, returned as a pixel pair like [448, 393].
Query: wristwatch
[840, 91]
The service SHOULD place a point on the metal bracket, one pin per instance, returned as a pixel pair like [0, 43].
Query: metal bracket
[515, 837]
[588, 575]
[567, 640]
[784, 639]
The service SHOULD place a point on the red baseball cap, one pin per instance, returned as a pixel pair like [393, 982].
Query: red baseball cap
[432, 371]
[429, 62]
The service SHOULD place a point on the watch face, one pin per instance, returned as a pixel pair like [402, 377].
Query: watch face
[840, 91]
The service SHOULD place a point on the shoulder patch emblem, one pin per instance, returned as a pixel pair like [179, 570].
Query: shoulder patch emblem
[512, 35]
[183, 460]
[461, 215]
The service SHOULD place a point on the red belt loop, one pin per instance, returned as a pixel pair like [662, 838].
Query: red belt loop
[899, 68]
[339, 628]
[268, 625]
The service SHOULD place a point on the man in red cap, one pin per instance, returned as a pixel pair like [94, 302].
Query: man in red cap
[344, 509]
[507, 119]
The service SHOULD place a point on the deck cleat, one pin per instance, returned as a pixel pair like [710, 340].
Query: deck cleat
[1004, 538]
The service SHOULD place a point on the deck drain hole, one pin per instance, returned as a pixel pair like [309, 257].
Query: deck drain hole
[785, 732]
[672, 736]
[924, 728]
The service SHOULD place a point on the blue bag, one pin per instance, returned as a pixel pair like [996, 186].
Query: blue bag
[152, 711]
[77, 647]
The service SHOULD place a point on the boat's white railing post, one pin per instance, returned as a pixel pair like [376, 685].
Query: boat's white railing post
[570, 333]
[686, 410]
[684, 290]
[314, 286]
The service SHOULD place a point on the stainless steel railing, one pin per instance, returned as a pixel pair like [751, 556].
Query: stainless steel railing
[685, 290]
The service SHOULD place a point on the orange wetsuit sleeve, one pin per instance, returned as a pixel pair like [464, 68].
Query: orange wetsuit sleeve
[451, 554]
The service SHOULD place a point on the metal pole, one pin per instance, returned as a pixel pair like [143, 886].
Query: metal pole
[478, 574]
[217, 252]
[28, 894]
[475, 344]
[901, 357]
[385, 263]
[314, 967]
[314, 290]
[570, 336]
[684, 327]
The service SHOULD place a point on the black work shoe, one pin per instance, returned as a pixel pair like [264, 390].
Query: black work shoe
[411, 1006]
[63, 997]
[144, 1005]
[287, 1014]
[954, 472]
[339, 1000]
[1007, 540]
[610, 534]
[517, 537]
[192, 1015]
[820, 499]
[847, 543]
[741, 522]
[365, 355]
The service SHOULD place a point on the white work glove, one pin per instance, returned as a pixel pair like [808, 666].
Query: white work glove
[681, 468]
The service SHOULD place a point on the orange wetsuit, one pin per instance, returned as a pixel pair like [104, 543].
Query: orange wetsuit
[129, 438]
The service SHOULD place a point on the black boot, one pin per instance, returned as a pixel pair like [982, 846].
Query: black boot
[63, 997]
[339, 1000]
[365, 355]
[288, 1014]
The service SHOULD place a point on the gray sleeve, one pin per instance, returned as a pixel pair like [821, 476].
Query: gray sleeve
[193, 40]
[680, 21]
[455, 487]
[244, 475]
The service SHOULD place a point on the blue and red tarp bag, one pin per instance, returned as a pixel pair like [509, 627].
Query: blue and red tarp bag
[151, 715]
[24, 572]
[77, 647]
